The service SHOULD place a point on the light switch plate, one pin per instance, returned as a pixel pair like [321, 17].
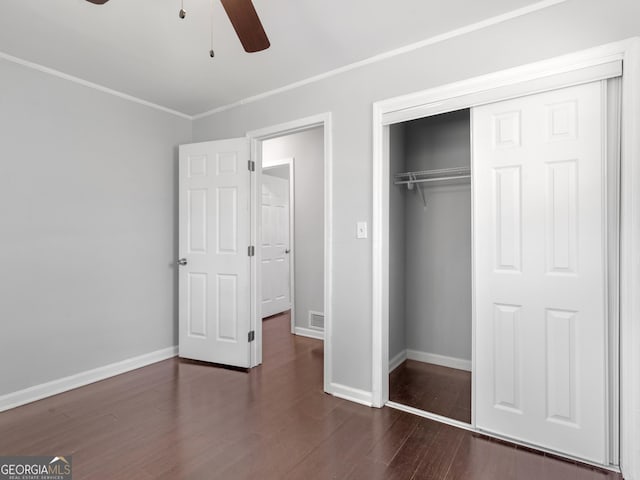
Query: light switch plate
[361, 230]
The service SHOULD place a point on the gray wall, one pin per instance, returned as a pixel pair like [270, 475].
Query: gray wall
[88, 222]
[564, 28]
[307, 148]
[438, 240]
[397, 237]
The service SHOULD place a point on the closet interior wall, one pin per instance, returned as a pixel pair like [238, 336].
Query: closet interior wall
[430, 247]
[397, 196]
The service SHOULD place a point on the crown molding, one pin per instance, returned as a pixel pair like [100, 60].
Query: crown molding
[88, 84]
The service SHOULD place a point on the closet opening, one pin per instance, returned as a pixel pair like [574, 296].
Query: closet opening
[430, 245]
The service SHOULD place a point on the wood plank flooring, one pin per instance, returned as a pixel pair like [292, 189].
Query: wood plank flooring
[185, 420]
[432, 388]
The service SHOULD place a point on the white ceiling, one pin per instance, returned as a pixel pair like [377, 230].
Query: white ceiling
[141, 47]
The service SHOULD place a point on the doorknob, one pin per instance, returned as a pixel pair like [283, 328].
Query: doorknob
[287, 250]
[182, 261]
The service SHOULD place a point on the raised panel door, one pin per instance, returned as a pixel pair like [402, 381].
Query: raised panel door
[540, 259]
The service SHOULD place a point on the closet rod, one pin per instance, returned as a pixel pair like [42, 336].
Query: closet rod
[423, 180]
[409, 178]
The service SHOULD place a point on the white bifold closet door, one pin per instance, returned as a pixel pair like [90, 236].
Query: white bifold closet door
[539, 250]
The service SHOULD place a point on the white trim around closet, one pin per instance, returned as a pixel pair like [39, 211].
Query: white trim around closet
[585, 66]
[630, 266]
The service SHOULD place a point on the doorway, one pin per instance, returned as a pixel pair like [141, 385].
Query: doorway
[297, 155]
[220, 287]
[292, 233]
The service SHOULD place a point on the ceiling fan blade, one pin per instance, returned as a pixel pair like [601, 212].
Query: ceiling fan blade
[98, 2]
[247, 25]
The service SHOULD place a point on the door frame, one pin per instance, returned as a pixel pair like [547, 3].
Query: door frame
[256, 137]
[587, 65]
[290, 163]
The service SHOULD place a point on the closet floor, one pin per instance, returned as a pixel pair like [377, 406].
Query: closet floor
[432, 388]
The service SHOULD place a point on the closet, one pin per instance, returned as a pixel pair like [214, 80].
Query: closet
[430, 265]
[503, 265]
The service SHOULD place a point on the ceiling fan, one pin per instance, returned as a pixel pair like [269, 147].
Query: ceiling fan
[245, 21]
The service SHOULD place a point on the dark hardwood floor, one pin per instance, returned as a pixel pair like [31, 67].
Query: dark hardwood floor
[432, 388]
[183, 420]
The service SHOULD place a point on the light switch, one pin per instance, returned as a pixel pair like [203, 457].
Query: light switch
[361, 230]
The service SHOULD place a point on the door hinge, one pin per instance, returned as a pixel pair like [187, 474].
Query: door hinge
[251, 251]
[251, 336]
[252, 166]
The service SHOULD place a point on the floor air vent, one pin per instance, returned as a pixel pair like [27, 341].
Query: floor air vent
[316, 320]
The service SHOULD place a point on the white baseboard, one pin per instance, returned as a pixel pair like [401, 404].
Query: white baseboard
[352, 394]
[451, 362]
[309, 332]
[396, 361]
[54, 387]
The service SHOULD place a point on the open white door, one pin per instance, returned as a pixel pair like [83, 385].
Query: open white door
[214, 237]
[539, 216]
[275, 243]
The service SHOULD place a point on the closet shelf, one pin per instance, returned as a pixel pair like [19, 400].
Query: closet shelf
[441, 175]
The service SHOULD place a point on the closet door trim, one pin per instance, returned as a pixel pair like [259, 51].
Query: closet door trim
[565, 71]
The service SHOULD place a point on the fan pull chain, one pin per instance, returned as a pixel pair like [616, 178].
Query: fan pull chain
[183, 12]
[211, 52]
